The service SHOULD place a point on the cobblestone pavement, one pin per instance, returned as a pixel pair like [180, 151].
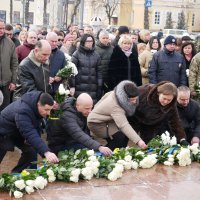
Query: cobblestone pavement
[158, 183]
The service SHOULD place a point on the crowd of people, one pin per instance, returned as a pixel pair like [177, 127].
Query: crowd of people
[129, 86]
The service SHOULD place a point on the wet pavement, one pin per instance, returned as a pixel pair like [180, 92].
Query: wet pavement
[158, 183]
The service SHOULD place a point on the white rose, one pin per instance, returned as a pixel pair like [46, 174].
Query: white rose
[20, 184]
[134, 165]
[39, 183]
[128, 165]
[75, 172]
[61, 89]
[92, 158]
[173, 141]
[112, 176]
[67, 92]
[119, 167]
[128, 158]
[30, 183]
[29, 189]
[50, 172]
[167, 163]
[74, 179]
[194, 148]
[90, 152]
[51, 179]
[18, 194]
[139, 153]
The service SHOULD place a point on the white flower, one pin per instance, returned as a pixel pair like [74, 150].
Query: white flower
[122, 162]
[148, 161]
[195, 148]
[184, 157]
[75, 172]
[18, 194]
[92, 158]
[128, 165]
[187, 72]
[40, 182]
[173, 141]
[20, 184]
[119, 168]
[30, 183]
[51, 179]
[61, 89]
[128, 158]
[112, 176]
[134, 165]
[74, 179]
[87, 173]
[29, 189]
[165, 138]
[168, 163]
[50, 172]
[171, 160]
[67, 92]
[74, 68]
[90, 152]
[67, 57]
[139, 153]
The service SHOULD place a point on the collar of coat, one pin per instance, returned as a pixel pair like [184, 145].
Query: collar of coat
[123, 99]
[33, 59]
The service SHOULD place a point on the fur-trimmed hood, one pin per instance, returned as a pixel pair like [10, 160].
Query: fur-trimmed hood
[123, 99]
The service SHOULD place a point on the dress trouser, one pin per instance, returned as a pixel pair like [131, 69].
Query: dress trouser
[28, 154]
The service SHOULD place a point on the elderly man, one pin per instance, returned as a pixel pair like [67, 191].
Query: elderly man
[57, 61]
[20, 127]
[24, 49]
[168, 65]
[108, 119]
[71, 132]
[33, 73]
[189, 112]
[8, 66]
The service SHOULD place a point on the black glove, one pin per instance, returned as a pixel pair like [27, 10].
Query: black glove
[184, 143]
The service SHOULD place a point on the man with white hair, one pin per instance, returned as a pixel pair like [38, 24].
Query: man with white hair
[57, 61]
[71, 132]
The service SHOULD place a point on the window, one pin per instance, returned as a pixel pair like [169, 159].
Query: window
[193, 18]
[157, 18]
[3, 15]
[30, 17]
[16, 17]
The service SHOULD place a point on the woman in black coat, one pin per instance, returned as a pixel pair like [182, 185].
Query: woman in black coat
[124, 64]
[89, 77]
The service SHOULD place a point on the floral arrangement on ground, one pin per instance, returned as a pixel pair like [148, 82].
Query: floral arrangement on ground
[86, 164]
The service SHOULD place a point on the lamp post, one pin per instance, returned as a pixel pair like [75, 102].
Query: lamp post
[82, 13]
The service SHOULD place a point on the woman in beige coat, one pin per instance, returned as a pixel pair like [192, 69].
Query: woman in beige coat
[146, 56]
[108, 119]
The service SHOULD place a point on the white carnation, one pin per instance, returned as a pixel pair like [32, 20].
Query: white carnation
[18, 194]
[128, 165]
[29, 189]
[50, 172]
[30, 183]
[20, 184]
[112, 176]
[184, 158]
[90, 152]
[74, 179]
[51, 179]
[75, 172]
[128, 158]
[168, 163]
[119, 167]
[92, 158]
[173, 141]
[134, 165]
[139, 153]
[87, 173]
[61, 89]
[40, 182]
[195, 148]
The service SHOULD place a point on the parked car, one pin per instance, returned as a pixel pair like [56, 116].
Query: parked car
[177, 33]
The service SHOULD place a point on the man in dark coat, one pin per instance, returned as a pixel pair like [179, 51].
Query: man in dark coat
[70, 131]
[189, 112]
[168, 65]
[20, 127]
[157, 105]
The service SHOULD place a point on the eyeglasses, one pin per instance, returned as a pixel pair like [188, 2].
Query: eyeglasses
[89, 41]
[9, 34]
[60, 40]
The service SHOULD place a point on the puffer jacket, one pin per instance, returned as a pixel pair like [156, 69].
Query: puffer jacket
[168, 66]
[70, 129]
[8, 61]
[194, 75]
[21, 118]
[105, 53]
[89, 77]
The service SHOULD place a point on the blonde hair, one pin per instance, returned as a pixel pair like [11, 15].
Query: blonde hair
[125, 39]
[143, 33]
[141, 47]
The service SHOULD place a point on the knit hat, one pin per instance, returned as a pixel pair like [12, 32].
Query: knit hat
[131, 90]
[123, 29]
[170, 40]
[68, 37]
[1, 97]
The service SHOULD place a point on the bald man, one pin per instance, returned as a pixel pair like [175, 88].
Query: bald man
[33, 72]
[71, 132]
[57, 61]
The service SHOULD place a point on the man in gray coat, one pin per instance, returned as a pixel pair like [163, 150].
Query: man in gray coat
[8, 66]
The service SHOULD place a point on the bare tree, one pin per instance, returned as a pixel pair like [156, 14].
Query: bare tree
[110, 7]
[26, 12]
[11, 11]
[45, 13]
[75, 9]
[146, 18]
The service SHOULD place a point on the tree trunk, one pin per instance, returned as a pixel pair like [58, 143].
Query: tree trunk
[45, 14]
[11, 11]
[27, 12]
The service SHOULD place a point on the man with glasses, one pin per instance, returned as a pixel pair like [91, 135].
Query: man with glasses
[8, 66]
[9, 34]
